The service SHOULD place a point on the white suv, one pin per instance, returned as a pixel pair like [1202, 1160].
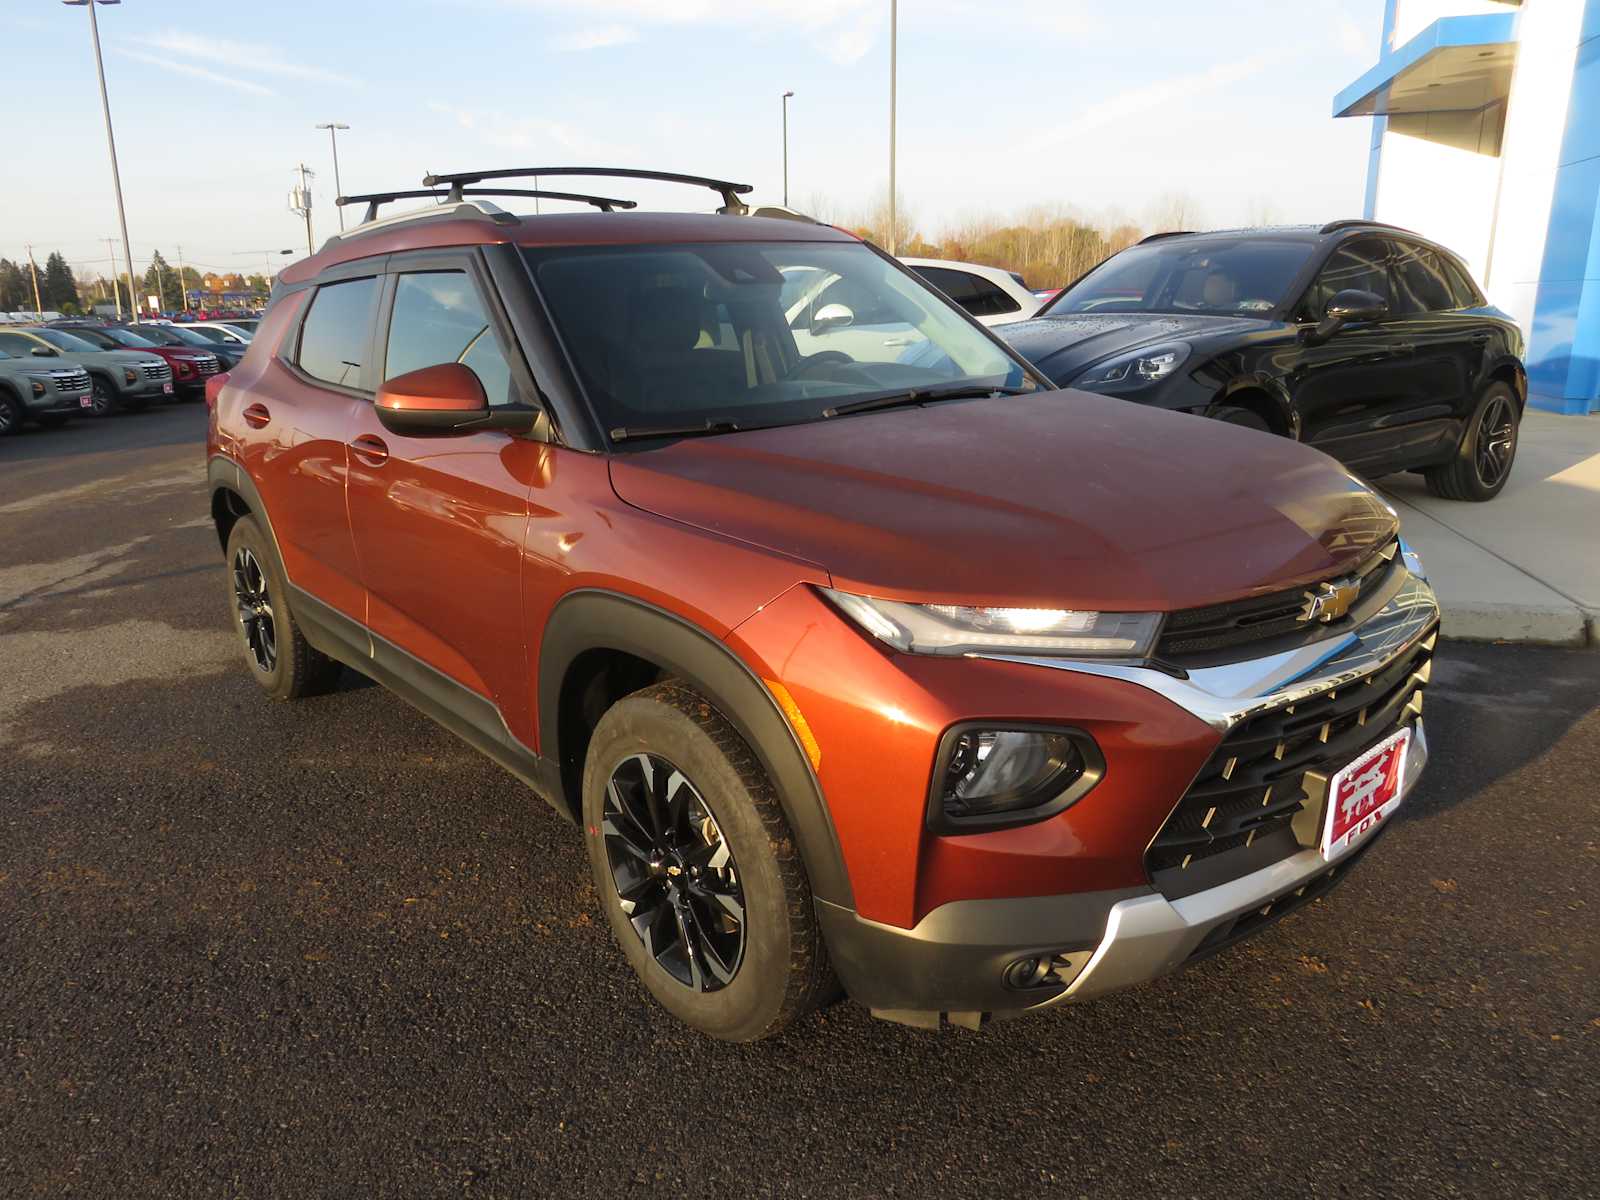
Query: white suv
[991, 294]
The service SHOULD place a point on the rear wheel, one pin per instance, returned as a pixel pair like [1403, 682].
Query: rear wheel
[281, 660]
[696, 867]
[1487, 451]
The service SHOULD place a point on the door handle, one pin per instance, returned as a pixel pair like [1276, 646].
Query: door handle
[256, 416]
[370, 449]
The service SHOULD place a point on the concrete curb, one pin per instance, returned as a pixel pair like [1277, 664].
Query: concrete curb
[1534, 625]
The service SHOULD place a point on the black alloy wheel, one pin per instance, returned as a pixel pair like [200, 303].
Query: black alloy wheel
[254, 604]
[675, 875]
[1496, 441]
[10, 415]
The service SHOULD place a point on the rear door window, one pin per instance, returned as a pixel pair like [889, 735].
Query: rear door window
[337, 332]
[1420, 283]
[440, 318]
[1461, 286]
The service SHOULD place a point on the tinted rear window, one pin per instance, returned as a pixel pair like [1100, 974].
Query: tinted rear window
[334, 337]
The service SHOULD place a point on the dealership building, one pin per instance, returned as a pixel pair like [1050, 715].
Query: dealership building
[1486, 138]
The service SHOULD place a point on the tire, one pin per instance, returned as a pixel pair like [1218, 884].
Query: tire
[277, 654]
[104, 397]
[1244, 417]
[728, 838]
[1487, 452]
[10, 415]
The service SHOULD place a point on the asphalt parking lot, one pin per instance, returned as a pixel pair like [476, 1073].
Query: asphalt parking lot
[325, 949]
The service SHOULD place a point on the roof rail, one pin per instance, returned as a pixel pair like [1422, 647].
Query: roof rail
[1360, 223]
[1156, 237]
[469, 210]
[374, 199]
[730, 192]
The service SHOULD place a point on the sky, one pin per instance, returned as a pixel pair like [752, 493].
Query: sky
[1004, 106]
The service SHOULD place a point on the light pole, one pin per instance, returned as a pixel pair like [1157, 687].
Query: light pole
[786, 96]
[111, 140]
[894, 24]
[333, 136]
[300, 202]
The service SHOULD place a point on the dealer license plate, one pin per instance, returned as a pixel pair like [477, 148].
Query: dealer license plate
[1364, 795]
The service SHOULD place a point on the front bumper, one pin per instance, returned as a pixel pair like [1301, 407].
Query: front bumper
[56, 404]
[954, 963]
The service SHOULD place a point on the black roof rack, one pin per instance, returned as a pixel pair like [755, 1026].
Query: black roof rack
[1156, 237]
[730, 192]
[1335, 226]
[373, 200]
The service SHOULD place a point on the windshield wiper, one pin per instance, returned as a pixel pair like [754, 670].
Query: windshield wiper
[624, 433]
[965, 391]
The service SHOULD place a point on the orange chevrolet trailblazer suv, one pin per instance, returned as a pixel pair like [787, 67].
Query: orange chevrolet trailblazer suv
[860, 654]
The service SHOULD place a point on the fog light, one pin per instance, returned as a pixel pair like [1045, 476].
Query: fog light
[129, 375]
[993, 776]
[38, 388]
[1045, 971]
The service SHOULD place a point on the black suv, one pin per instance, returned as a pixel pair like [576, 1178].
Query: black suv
[1361, 339]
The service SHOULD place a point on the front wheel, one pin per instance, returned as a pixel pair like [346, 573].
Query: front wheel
[103, 398]
[1488, 448]
[10, 415]
[696, 867]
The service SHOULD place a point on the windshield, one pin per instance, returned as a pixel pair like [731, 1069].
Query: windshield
[66, 341]
[1238, 277]
[189, 336]
[156, 335]
[754, 333]
[125, 337]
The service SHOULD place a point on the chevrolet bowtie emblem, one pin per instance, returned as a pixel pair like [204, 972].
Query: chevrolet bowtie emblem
[1330, 601]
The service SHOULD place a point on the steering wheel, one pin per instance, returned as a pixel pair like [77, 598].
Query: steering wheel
[822, 358]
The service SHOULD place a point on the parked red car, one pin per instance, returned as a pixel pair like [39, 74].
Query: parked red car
[890, 666]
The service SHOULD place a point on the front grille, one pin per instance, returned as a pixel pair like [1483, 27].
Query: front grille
[207, 366]
[72, 383]
[1194, 633]
[1259, 798]
[160, 372]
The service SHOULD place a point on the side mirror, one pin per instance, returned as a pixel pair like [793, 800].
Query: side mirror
[1352, 304]
[446, 398]
[43, 352]
[832, 316]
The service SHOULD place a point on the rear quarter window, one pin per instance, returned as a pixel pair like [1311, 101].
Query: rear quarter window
[337, 331]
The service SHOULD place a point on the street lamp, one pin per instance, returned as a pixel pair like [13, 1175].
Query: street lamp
[333, 136]
[894, 25]
[111, 141]
[786, 96]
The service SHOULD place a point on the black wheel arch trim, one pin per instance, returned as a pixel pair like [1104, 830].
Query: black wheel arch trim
[597, 619]
[1275, 392]
[224, 474]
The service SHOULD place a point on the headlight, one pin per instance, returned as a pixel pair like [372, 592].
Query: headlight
[957, 629]
[129, 375]
[1142, 367]
[991, 776]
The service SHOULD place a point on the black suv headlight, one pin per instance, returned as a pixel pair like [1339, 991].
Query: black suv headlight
[996, 774]
[1137, 369]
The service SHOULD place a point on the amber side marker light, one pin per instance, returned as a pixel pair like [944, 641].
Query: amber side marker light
[797, 722]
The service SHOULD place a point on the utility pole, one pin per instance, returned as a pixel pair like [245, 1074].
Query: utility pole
[894, 221]
[786, 96]
[116, 288]
[338, 188]
[183, 284]
[111, 141]
[300, 202]
[32, 266]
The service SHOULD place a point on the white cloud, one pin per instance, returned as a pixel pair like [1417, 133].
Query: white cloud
[509, 132]
[843, 30]
[194, 72]
[1177, 90]
[596, 37]
[245, 56]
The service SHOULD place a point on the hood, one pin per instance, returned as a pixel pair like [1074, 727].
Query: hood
[1063, 346]
[132, 358]
[1056, 499]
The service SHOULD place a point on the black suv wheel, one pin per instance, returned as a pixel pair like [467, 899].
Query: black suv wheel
[277, 653]
[696, 867]
[1488, 448]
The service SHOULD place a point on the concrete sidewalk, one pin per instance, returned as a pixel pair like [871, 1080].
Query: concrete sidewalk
[1525, 567]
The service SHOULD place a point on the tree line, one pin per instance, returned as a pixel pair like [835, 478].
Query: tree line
[61, 291]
